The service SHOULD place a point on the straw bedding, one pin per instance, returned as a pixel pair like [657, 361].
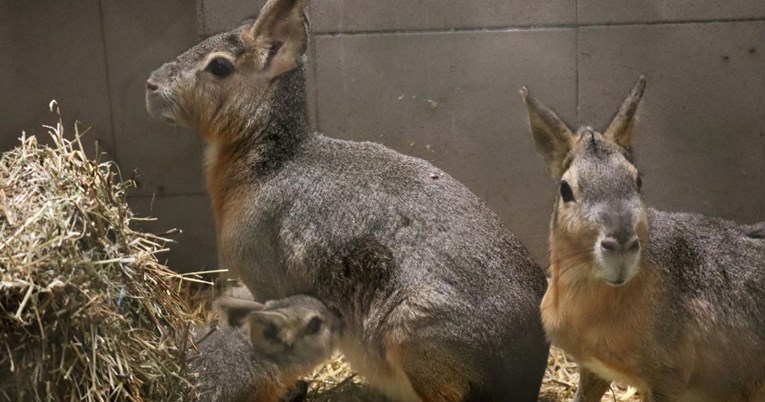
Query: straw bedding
[86, 311]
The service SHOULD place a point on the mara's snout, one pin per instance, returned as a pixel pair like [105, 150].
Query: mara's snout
[159, 101]
[621, 224]
[618, 256]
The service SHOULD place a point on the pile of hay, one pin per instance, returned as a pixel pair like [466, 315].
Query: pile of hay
[86, 311]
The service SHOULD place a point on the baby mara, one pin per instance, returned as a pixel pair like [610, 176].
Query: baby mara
[671, 303]
[260, 350]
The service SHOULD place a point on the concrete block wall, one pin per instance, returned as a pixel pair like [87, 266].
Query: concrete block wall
[434, 79]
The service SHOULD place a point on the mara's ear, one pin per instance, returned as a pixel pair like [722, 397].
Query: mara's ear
[279, 35]
[266, 328]
[234, 312]
[552, 136]
[620, 129]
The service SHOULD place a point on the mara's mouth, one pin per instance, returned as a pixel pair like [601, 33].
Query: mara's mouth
[617, 269]
[160, 108]
[169, 120]
[619, 273]
[617, 282]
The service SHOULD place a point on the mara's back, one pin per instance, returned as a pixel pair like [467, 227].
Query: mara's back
[712, 281]
[714, 272]
[433, 228]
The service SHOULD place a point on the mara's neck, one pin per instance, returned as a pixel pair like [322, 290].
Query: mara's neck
[258, 143]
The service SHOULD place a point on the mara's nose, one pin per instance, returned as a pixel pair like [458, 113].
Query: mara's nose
[614, 244]
[151, 86]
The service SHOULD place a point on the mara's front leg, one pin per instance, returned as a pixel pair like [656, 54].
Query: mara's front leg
[442, 366]
[591, 386]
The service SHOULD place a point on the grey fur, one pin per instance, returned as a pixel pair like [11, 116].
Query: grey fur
[412, 259]
[228, 368]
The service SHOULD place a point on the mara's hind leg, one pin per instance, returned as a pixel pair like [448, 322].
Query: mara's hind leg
[438, 376]
[434, 376]
[514, 375]
[591, 387]
[512, 368]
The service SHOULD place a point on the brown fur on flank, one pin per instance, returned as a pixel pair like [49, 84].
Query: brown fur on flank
[671, 303]
[440, 300]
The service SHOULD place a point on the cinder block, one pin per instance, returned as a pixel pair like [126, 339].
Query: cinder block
[221, 15]
[393, 15]
[195, 246]
[168, 160]
[53, 50]
[452, 98]
[700, 139]
[620, 11]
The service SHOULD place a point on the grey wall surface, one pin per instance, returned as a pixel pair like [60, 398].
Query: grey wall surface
[437, 79]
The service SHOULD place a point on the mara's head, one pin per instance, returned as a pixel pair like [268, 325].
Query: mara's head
[214, 86]
[296, 329]
[599, 222]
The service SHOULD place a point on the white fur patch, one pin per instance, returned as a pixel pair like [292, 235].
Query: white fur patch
[608, 373]
[390, 379]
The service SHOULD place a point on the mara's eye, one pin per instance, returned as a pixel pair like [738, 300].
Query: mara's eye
[639, 181]
[220, 67]
[270, 332]
[313, 326]
[565, 191]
